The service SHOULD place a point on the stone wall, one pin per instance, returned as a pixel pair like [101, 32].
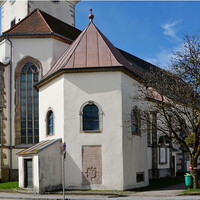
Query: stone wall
[4, 168]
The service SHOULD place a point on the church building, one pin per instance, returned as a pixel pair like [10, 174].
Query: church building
[60, 84]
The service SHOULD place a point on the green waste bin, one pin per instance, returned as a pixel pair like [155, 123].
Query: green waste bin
[188, 179]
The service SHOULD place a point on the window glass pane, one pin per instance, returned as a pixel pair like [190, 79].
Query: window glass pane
[95, 125]
[30, 125]
[36, 132]
[29, 115]
[86, 125]
[36, 139]
[87, 108]
[23, 140]
[23, 132]
[94, 108]
[36, 115]
[30, 86]
[23, 124]
[30, 140]
[23, 109]
[30, 132]
[35, 78]
[23, 86]
[23, 116]
[34, 68]
[23, 93]
[23, 101]
[24, 68]
[36, 124]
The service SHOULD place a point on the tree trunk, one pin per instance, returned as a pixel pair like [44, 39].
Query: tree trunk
[194, 170]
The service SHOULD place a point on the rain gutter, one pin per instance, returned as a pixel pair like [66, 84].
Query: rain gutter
[40, 34]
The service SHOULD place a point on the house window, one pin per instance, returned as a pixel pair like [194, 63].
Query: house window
[12, 23]
[29, 104]
[163, 155]
[140, 177]
[50, 123]
[91, 118]
[135, 121]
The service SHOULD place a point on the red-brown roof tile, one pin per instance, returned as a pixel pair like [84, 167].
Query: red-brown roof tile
[41, 22]
[90, 50]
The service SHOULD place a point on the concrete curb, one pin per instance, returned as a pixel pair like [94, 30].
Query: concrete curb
[188, 194]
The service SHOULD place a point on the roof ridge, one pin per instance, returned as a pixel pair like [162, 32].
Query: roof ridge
[20, 21]
[108, 43]
[39, 11]
[72, 47]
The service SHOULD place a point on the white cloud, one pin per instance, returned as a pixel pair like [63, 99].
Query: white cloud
[164, 56]
[169, 29]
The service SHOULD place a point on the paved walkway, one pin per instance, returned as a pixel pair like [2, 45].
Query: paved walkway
[171, 192]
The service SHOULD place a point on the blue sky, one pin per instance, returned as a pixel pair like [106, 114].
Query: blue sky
[149, 30]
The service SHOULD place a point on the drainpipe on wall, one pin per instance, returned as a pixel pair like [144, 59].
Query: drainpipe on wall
[10, 170]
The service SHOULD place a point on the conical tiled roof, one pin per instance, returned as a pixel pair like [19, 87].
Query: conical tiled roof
[90, 50]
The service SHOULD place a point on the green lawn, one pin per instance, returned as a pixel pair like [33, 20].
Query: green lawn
[8, 185]
[192, 190]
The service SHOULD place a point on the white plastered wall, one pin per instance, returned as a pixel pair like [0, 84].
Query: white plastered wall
[135, 158]
[52, 98]
[103, 88]
[50, 173]
[46, 50]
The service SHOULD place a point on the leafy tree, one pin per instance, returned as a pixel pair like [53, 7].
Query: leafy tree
[175, 96]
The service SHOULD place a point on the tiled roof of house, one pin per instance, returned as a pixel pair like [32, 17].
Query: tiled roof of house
[39, 22]
[38, 147]
[91, 50]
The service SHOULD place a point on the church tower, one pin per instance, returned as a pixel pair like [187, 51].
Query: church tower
[13, 11]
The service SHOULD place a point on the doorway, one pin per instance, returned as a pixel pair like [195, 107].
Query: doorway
[28, 173]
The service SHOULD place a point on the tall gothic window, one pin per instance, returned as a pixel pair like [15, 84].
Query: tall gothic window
[29, 104]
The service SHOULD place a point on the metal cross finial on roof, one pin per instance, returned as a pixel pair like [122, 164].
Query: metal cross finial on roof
[91, 16]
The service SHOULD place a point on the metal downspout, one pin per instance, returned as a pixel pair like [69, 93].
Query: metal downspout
[10, 170]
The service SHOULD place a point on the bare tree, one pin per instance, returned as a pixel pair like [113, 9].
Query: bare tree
[175, 96]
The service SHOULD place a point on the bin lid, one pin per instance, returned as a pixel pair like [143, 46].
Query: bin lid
[187, 174]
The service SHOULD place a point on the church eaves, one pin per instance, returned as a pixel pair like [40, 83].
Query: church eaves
[41, 24]
[91, 51]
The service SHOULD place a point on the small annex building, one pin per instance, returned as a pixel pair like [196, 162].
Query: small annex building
[83, 99]
[39, 157]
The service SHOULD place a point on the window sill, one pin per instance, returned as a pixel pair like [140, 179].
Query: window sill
[91, 132]
[24, 145]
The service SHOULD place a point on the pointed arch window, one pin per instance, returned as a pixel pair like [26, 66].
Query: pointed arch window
[29, 104]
